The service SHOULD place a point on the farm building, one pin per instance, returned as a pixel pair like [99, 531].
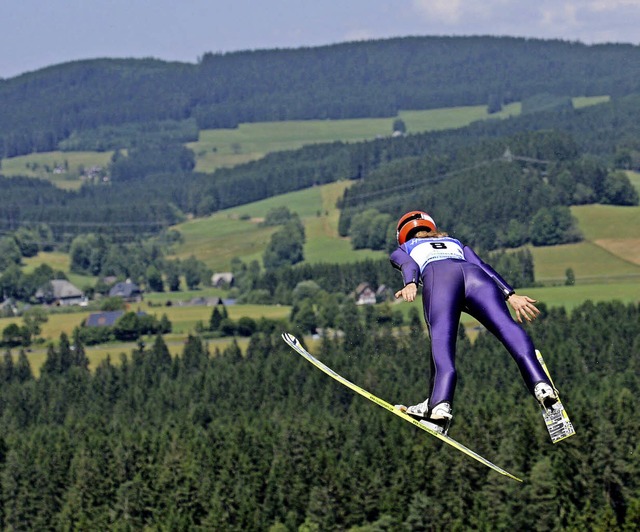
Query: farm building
[126, 290]
[222, 279]
[60, 292]
[364, 294]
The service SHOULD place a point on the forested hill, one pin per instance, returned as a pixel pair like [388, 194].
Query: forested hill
[154, 188]
[267, 442]
[360, 79]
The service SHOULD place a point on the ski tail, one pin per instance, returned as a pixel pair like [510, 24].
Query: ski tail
[555, 418]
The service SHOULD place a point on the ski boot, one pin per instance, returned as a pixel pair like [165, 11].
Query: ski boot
[545, 395]
[438, 418]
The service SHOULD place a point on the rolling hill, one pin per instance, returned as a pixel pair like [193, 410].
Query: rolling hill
[116, 103]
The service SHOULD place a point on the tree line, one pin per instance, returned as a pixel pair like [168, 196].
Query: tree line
[515, 200]
[83, 102]
[99, 256]
[202, 440]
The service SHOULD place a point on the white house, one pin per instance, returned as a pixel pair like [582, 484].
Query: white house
[222, 279]
[364, 294]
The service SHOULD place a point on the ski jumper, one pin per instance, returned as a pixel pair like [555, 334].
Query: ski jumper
[455, 280]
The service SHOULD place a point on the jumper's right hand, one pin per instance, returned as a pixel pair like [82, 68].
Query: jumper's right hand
[408, 293]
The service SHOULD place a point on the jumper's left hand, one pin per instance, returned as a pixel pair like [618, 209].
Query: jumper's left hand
[524, 307]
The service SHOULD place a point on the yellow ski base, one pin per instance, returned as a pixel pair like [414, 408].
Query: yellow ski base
[555, 418]
[293, 342]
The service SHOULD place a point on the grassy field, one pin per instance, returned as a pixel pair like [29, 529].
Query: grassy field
[609, 253]
[586, 101]
[634, 177]
[183, 318]
[237, 232]
[36, 165]
[218, 148]
[228, 147]
[98, 353]
[59, 262]
[569, 297]
[589, 262]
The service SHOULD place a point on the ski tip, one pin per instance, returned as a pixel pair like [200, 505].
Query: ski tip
[289, 338]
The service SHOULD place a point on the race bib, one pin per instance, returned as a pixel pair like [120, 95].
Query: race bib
[426, 250]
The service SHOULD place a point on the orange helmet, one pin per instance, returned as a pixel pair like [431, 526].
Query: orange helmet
[411, 222]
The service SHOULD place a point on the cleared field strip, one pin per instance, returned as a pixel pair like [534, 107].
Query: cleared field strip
[586, 259]
[183, 319]
[218, 148]
[41, 165]
[237, 232]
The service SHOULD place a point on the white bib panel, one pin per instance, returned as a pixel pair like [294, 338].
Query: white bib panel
[426, 250]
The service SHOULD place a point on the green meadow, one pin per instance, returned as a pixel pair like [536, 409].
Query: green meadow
[586, 101]
[634, 177]
[228, 147]
[59, 262]
[217, 148]
[184, 320]
[41, 165]
[610, 251]
[237, 232]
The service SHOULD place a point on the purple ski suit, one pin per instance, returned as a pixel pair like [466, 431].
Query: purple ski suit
[455, 280]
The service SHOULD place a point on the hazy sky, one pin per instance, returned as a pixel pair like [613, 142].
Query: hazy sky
[39, 33]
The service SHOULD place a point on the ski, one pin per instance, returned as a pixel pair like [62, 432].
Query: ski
[293, 342]
[555, 418]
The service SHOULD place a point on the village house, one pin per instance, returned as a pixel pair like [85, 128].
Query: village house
[127, 290]
[364, 294]
[222, 279]
[60, 292]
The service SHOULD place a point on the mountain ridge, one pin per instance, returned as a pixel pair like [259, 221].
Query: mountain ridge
[345, 80]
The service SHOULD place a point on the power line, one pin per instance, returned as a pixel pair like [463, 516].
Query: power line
[506, 157]
[414, 183]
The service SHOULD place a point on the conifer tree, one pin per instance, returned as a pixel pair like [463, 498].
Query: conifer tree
[23, 371]
[7, 369]
[79, 357]
[160, 353]
[52, 364]
[215, 319]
